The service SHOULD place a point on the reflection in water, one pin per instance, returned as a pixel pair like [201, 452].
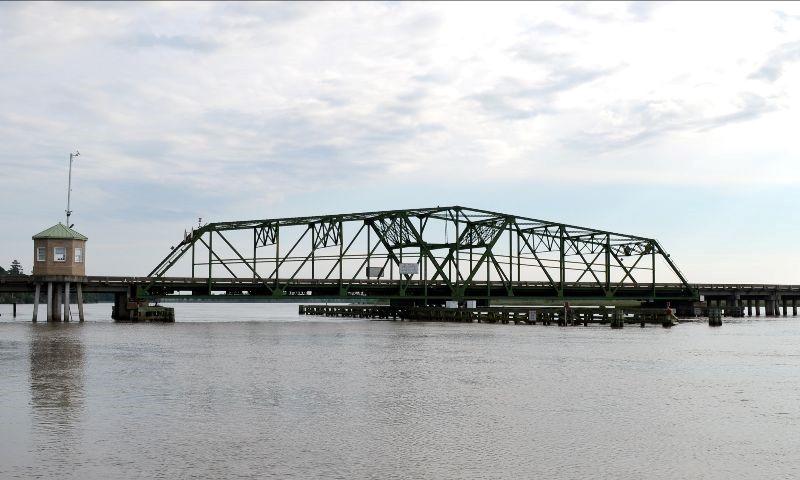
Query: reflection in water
[57, 360]
[220, 394]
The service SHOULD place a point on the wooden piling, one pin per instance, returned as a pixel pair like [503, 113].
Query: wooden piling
[617, 318]
[714, 317]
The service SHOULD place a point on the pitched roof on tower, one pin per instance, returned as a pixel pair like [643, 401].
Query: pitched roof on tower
[60, 231]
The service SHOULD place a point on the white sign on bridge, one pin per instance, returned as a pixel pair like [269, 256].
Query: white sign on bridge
[409, 269]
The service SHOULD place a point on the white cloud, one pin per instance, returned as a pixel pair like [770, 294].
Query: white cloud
[230, 104]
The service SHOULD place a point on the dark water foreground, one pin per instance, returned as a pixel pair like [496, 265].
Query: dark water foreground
[246, 391]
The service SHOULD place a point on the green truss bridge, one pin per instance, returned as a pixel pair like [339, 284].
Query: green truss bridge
[421, 256]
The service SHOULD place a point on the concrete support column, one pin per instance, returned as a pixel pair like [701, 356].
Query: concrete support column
[738, 304]
[794, 307]
[36, 301]
[785, 302]
[758, 307]
[749, 307]
[49, 301]
[66, 301]
[79, 288]
[57, 290]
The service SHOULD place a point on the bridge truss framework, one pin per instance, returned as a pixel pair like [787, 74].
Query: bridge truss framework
[457, 252]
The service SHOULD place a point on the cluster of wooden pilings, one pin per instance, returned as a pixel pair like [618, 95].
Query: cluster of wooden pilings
[563, 316]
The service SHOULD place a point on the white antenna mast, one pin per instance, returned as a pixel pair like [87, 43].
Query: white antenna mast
[69, 184]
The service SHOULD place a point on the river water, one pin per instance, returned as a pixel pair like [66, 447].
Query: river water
[256, 391]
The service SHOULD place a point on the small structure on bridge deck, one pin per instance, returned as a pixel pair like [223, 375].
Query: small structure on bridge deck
[59, 256]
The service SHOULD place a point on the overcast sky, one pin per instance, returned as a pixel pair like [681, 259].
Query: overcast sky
[678, 121]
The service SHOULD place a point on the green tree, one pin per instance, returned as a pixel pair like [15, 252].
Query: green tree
[16, 268]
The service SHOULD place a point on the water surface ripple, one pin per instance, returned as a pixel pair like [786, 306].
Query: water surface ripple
[255, 391]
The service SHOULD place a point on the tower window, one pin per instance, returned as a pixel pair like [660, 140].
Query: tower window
[41, 254]
[78, 255]
[60, 254]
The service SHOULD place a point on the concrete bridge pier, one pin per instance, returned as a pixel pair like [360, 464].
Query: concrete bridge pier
[59, 306]
[120, 310]
[794, 307]
[736, 302]
[66, 302]
[79, 293]
[749, 307]
[49, 301]
[772, 304]
[36, 293]
[57, 302]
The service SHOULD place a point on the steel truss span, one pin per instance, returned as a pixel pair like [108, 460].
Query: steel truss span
[441, 253]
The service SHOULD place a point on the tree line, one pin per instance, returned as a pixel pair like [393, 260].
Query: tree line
[15, 269]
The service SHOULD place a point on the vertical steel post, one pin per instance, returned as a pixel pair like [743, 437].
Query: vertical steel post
[519, 259]
[458, 257]
[653, 264]
[400, 275]
[313, 250]
[447, 241]
[277, 254]
[369, 246]
[425, 279]
[193, 261]
[210, 245]
[341, 256]
[562, 272]
[255, 255]
[488, 272]
[510, 256]
[608, 262]
[69, 185]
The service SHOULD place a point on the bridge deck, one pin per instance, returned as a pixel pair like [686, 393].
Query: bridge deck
[386, 289]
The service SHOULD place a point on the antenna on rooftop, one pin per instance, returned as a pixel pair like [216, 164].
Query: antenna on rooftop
[69, 185]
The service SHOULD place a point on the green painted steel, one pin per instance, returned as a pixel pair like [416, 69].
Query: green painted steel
[61, 232]
[459, 253]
